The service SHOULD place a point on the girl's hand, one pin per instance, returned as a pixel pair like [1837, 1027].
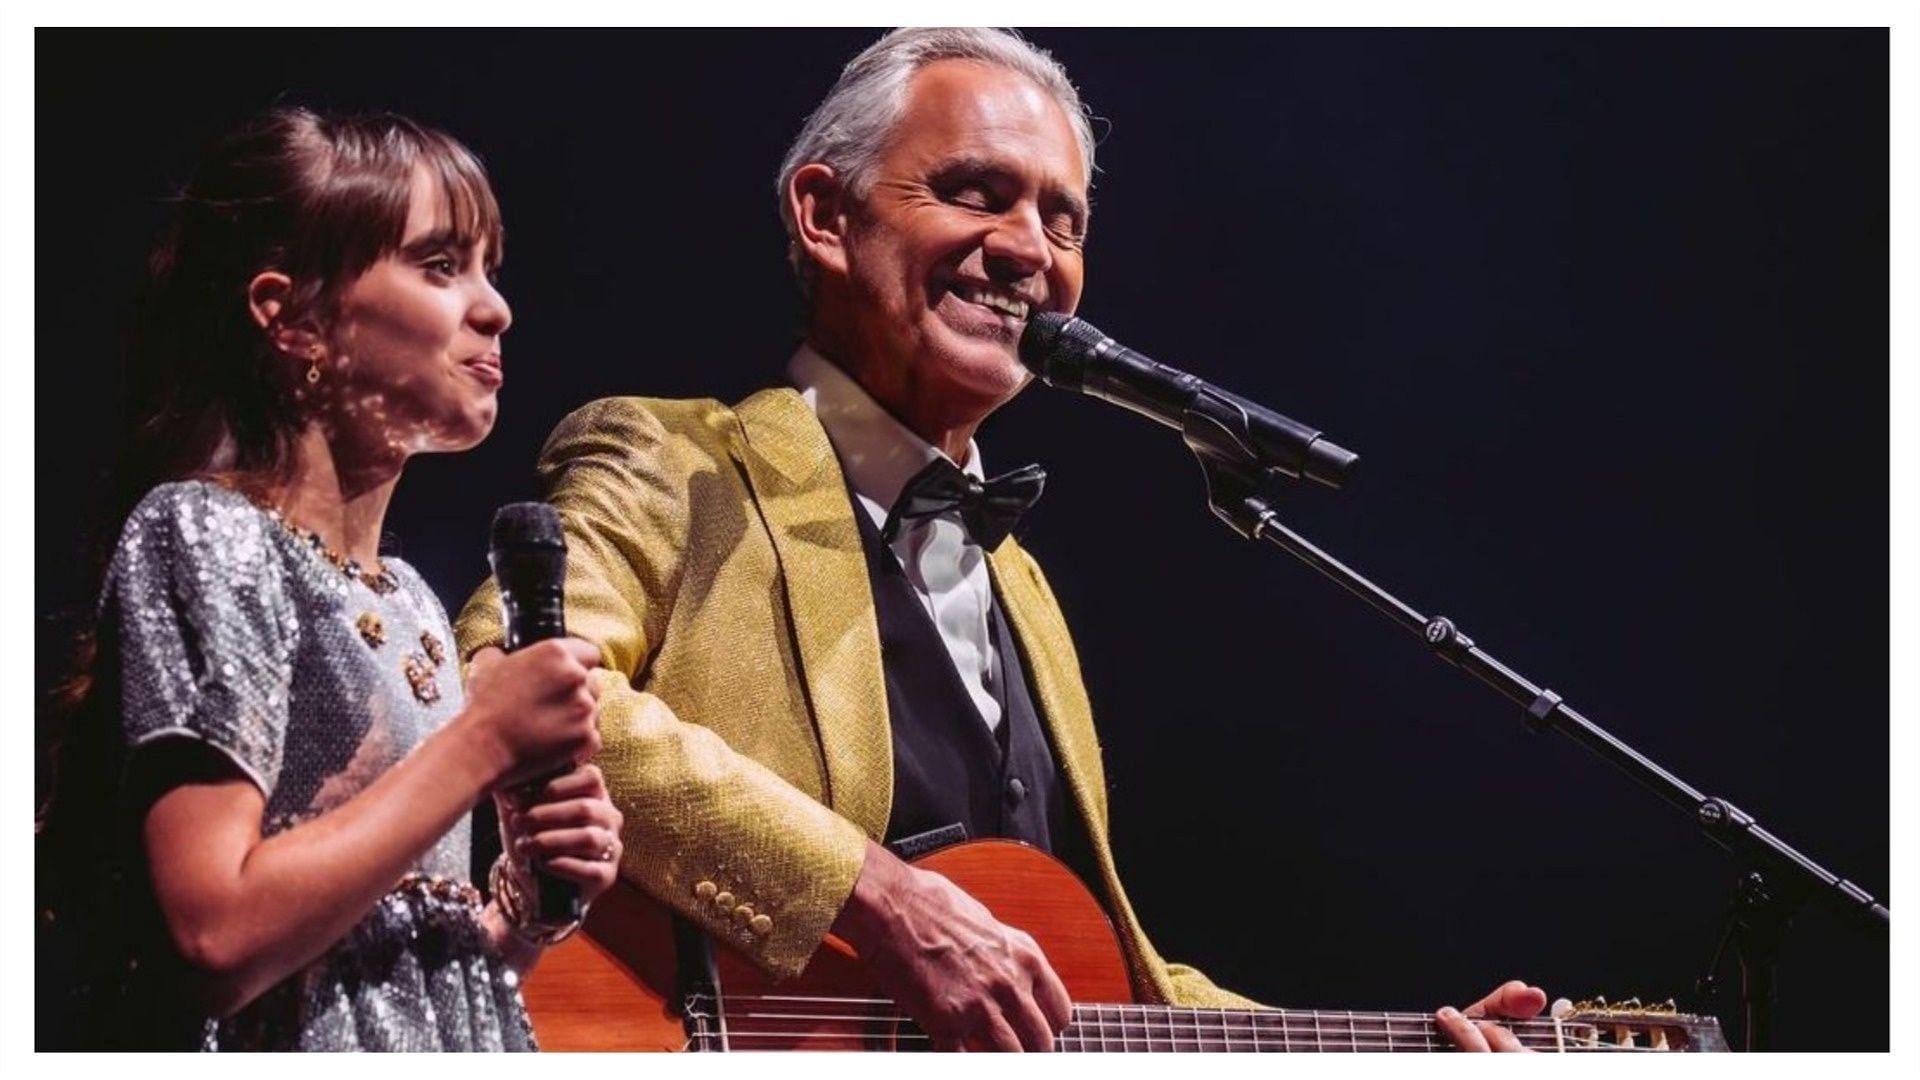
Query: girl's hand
[536, 710]
[566, 826]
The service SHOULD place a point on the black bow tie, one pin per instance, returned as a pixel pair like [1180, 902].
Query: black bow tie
[989, 510]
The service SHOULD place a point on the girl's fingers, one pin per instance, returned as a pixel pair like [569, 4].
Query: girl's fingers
[593, 843]
[574, 813]
[594, 876]
[581, 782]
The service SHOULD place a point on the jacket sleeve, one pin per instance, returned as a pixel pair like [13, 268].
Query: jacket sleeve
[709, 832]
[1191, 987]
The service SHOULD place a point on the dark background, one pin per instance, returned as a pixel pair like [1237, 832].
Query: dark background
[1605, 314]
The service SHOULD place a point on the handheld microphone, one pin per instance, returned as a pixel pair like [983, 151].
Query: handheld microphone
[528, 553]
[1073, 355]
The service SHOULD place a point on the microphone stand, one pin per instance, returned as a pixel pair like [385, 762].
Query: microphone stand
[1766, 896]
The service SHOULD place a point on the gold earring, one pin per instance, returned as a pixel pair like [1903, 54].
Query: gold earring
[313, 365]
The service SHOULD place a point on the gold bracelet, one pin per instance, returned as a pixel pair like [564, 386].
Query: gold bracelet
[505, 886]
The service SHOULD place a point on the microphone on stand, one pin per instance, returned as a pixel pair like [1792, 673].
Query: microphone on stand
[528, 553]
[1073, 355]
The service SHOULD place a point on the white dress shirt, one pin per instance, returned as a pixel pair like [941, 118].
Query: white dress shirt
[947, 569]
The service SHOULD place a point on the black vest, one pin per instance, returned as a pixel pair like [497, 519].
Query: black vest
[949, 769]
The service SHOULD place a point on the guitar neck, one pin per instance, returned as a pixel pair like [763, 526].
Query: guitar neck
[1135, 1029]
[802, 1022]
[1156, 1028]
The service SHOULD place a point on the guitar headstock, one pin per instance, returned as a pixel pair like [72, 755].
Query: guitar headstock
[1600, 1025]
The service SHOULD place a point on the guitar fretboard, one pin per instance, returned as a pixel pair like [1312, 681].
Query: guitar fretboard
[1167, 1029]
[762, 1022]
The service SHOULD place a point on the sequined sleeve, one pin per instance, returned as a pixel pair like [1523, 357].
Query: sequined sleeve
[204, 627]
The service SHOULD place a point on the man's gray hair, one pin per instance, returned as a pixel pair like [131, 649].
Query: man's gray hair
[850, 127]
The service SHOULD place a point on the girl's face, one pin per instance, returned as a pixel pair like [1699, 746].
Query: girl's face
[412, 356]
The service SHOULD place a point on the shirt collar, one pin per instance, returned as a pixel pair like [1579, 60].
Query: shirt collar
[877, 453]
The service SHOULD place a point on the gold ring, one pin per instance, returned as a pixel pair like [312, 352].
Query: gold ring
[606, 853]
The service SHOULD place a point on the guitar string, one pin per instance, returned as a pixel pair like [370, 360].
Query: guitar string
[1202, 1042]
[1170, 1034]
[1206, 1028]
[1200, 1039]
[1265, 1016]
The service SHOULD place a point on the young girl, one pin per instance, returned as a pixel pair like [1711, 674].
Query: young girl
[258, 836]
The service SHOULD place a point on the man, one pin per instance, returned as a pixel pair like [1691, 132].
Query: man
[810, 647]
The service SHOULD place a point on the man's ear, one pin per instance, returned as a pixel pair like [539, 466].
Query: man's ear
[819, 203]
[268, 296]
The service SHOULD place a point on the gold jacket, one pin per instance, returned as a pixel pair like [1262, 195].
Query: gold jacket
[714, 558]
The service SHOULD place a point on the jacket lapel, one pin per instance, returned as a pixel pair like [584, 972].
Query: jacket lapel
[1061, 696]
[1054, 670]
[802, 497]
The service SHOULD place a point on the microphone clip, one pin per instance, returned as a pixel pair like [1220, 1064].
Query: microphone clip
[1217, 431]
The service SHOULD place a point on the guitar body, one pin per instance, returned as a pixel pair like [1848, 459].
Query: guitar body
[615, 985]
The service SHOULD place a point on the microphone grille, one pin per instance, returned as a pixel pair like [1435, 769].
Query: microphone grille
[527, 524]
[1056, 348]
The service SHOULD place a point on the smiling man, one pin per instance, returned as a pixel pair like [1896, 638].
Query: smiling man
[925, 257]
[820, 645]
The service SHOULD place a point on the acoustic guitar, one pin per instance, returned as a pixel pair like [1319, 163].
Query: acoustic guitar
[620, 984]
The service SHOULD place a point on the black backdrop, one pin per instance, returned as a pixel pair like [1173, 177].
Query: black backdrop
[1605, 314]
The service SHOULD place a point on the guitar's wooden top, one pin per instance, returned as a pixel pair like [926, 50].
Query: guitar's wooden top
[613, 987]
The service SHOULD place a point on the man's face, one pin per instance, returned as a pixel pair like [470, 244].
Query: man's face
[975, 217]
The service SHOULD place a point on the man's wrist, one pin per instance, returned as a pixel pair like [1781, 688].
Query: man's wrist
[867, 916]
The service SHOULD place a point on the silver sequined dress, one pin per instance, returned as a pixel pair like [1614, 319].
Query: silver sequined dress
[235, 632]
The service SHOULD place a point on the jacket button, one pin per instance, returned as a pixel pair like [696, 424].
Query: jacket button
[724, 901]
[760, 925]
[1016, 790]
[743, 913]
[705, 890]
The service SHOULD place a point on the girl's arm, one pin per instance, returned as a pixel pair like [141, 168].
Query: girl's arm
[249, 911]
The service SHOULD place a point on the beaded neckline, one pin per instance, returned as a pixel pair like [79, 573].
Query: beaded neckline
[380, 579]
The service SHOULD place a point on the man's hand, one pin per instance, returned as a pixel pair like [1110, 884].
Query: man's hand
[1469, 1029]
[969, 981]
